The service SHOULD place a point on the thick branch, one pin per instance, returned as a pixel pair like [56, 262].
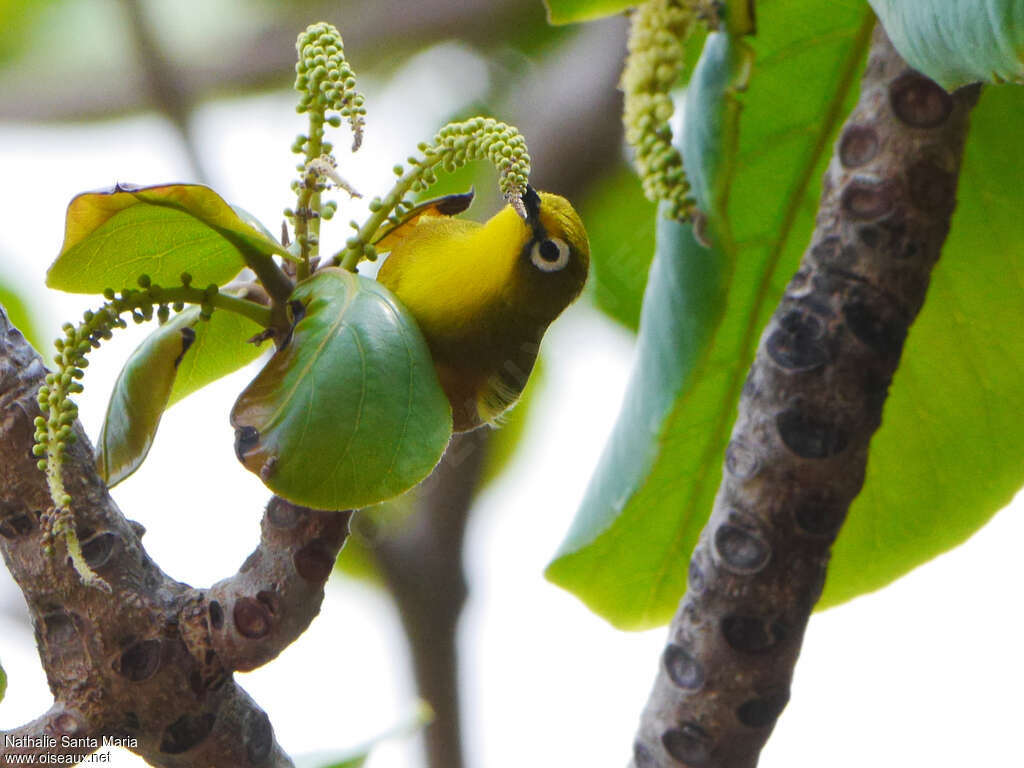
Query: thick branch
[249, 618]
[810, 405]
[47, 735]
[422, 565]
[145, 667]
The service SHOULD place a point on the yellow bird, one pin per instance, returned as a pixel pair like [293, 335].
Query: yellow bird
[483, 294]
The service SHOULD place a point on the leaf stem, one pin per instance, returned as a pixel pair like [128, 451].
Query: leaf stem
[307, 209]
[278, 285]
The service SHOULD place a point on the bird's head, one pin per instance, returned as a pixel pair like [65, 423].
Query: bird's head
[555, 256]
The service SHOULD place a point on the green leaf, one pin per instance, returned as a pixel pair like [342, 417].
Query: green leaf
[350, 412]
[626, 554]
[21, 19]
[948, 455]
[357, 559]
[956, 42]
[569, 11]
[138, 401]
[20, 316]
[176, 359]
[112, 237]
[3, 683]
[620, 223]
[221, 347]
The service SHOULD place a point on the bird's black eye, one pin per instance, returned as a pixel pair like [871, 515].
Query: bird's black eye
[550, 255]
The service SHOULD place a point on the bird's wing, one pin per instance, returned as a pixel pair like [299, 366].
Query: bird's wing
[448, 205]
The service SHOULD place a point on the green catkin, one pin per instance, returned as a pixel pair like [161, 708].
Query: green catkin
[658, 31]
[325, 81]
[327, 94]
[455, 145]
[54, 428]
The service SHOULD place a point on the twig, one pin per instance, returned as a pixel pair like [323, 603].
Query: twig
[164, 86]
[264, 58]
[808, 410]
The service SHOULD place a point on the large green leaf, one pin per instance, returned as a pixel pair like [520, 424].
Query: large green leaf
[950, 452]
[956, 42]
[178, 358]
[620, 224]
[350, 412]
[627, 552]
[112, 237]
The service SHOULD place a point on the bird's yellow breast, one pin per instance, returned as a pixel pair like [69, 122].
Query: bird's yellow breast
[483, 294]
[454, 274]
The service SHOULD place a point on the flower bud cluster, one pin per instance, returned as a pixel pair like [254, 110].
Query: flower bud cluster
[455, 145]
[655, 60]
[326, 83]
[54, 429]
[480, 138]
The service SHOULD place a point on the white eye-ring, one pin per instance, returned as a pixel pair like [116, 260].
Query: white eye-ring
[550, 255]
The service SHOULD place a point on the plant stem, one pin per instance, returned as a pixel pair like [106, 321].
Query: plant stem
[307, 209]
[349, 257]
[250, 309]
[277, 284]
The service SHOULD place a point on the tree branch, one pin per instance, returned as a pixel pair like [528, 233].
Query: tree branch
[421, 563]
[46, 735]
[810, 405]
[249, 618]
[163, 84]
[154, 666]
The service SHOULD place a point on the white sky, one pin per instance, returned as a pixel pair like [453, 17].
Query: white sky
[922, 673]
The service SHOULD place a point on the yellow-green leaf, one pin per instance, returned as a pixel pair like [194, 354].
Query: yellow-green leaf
[112, 237]
[139, 399]
[569, 11]
[175, 360]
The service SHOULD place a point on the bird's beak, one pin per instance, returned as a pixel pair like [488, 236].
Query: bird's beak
[531, 205]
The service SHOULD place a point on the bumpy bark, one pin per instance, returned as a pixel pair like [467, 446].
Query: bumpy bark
[810, 405]
[152, 665]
